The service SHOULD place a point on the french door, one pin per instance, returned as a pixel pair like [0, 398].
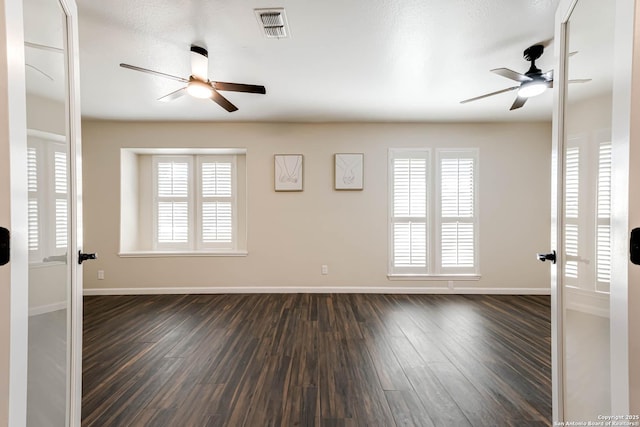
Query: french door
[54, 226]
[589, 281]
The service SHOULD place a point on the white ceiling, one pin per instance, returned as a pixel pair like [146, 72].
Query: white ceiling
[357, 60]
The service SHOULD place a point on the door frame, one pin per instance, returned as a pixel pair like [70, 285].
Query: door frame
[73, 120]
[621, 134]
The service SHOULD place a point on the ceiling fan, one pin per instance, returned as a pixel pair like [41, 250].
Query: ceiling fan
[198, 83]
[532, 83]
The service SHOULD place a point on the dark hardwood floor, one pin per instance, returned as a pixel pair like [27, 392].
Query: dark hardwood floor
[316, 360]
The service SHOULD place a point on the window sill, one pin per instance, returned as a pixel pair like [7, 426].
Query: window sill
[169, 254]
[40, 264]
[436, 277]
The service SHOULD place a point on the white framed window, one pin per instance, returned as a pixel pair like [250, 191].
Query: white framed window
[194, 202]
[433, 227]
[48, 221]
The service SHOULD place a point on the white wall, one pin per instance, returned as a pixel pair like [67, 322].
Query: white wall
[290, 235]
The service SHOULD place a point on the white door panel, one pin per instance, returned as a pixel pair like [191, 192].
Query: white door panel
[590, 203]
[53, 391]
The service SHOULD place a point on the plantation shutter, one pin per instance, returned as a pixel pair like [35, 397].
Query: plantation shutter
[61, 202]
[409, 211]
[603, 231]
[172, 202]
[457, 211]
[571, 207]
[217, 201]
[33, 205]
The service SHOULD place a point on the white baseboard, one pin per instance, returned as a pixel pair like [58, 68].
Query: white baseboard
[316, 290]
[48, 308]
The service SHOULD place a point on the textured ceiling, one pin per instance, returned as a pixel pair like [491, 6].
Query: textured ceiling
[360, 60]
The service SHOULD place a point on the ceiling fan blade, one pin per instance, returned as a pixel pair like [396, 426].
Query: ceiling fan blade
[519, 102]
[509, 89]
[39, 70]
[223, 102]
[546, 43]
[239, 87]
[155, 73]
[548, 75]
[173, 95]
[200, 63]
[510, 74]
[579, 80]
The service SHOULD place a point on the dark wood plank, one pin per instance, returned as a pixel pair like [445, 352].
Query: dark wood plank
[316, 360]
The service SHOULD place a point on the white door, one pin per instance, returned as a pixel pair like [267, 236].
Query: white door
[589, 350]
[53, 376]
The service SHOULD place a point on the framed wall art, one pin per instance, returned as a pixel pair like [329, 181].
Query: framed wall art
[288, 172]
[349, 171]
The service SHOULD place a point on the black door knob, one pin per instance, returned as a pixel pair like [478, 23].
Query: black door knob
[548, 257]
[5, 246]
[84, 257]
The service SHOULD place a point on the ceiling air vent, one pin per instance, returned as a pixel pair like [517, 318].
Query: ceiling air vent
[273, 22]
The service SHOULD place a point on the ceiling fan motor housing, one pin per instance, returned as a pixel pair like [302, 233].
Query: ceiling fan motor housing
[531, 54]
[199, 50]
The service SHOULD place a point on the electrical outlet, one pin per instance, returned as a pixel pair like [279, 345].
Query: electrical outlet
[324, 269]
[100, 274]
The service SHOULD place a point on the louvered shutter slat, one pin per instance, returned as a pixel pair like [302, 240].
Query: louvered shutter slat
[571, 247]
[603, 253]
[60, 172]
[410, 187]
[572, 182]
[217, 222]
[33, 225]
[32, 169]
[33, 211]
[61, 224]
[410, 244]
[603, 233]
[173, 179]
[216, 179]
[572, 210]
[173, 222]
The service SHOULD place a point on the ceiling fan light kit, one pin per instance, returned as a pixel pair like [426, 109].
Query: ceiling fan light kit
[198, 83]
[199, 89]
[532, 88]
